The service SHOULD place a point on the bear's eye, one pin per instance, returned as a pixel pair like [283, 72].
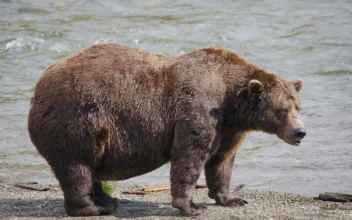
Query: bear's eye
[298, 108]
[282, 113]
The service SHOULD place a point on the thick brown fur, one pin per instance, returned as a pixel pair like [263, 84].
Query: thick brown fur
[111, 112]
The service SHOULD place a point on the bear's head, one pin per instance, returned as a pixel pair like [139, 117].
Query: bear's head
[276, 108]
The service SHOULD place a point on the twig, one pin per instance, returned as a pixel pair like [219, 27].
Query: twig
[31, 187]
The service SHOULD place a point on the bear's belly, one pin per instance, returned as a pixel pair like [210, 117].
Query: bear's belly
[124, 166]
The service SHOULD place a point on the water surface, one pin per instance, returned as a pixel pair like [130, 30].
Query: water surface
[310, 40]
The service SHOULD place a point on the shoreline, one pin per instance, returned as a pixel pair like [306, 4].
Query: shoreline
[16, 202]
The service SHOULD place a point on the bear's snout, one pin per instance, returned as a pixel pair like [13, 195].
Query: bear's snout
[300, 133]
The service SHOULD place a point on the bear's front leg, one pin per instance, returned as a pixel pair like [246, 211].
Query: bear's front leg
[219, 168]
[190, 149]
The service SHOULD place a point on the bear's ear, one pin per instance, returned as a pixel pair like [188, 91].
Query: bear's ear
[298, 85]
[256, 88]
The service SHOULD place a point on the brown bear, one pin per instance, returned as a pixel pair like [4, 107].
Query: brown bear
[111, 112]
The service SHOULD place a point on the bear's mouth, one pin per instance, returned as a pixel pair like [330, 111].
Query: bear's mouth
[294, 142]
[297, 142]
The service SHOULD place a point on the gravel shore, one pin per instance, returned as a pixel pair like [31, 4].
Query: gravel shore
[22, 203]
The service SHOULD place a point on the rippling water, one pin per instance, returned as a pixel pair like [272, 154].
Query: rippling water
[310, 40]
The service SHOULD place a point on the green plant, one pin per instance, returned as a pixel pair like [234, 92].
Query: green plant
[108, 187]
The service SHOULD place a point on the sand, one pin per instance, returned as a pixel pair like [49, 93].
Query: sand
[19, 203]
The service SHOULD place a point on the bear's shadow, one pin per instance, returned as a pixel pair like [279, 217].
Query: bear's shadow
[135, 209]
[55, 208]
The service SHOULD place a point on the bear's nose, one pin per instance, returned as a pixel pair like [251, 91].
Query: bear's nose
[300, 133]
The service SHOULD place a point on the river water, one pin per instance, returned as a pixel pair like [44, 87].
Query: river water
[310, 40]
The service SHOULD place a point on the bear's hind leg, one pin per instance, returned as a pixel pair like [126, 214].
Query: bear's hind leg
[102, 198]
[76, 180]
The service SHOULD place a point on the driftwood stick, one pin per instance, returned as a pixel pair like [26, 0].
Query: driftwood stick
[25, 185]
[31, 187]
[26, 182]
[2, 181]
[156, 188]
[335, 197]
[241, 186]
